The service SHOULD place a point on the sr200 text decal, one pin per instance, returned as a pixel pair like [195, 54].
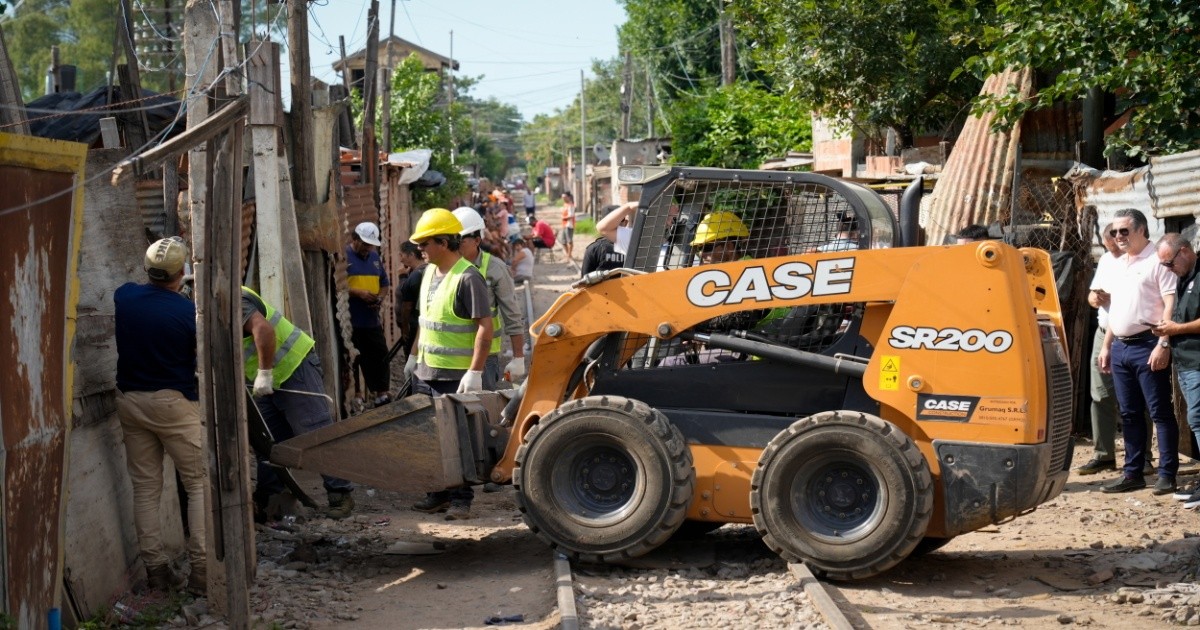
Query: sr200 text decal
[788, 281]
[953, 339]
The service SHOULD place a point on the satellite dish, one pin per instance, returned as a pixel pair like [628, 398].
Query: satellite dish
[600, 151]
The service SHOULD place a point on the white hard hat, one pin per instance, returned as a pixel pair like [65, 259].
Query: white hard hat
[368, 232]
[470, 219]
[165, 258]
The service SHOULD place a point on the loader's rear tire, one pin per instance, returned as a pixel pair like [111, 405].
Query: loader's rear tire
[846, 493]
[604, 478]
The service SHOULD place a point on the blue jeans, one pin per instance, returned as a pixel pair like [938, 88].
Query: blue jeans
[1139, 389]
[1189, 382]
[289, 414]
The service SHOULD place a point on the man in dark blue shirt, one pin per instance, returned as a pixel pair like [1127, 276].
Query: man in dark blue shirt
[368, 286]
[157, 403]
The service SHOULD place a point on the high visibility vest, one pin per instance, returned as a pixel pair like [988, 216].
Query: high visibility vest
[447, 341]
[495, 302]
[291, 346]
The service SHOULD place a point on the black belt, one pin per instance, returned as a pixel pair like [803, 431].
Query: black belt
[1145, 335]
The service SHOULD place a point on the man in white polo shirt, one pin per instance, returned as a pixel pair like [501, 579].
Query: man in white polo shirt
[1142, 292]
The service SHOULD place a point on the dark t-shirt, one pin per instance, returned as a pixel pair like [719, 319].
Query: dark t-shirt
[362, 314]
[250, 306]
[409, 292]
[601, 255]
[1185, 349]
[156, 340]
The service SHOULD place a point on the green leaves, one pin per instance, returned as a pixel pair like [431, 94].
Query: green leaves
[1145, 52]
[738, 126]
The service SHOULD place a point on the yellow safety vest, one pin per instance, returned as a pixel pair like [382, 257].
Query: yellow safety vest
[447, 341]
[291, 346]
[495, 302]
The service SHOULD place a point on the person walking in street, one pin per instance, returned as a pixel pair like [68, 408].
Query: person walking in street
[1183, 327]
[568, 224]
[289, 392]
[507, 318]
[159, 410]
[1141, 294]
[454, 333]
[368, 284]
[530, 202]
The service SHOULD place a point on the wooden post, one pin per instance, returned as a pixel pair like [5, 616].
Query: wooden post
[231, 557]
[385, 87]
[345, 67]
[137, 129]
[728, 61]
[221, 332]
[302, 115]
[131, 82]
[370, 150]
[263, 67]
[229, 48]
[12, 114]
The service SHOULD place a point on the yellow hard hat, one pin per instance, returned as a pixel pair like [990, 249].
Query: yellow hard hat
[434, 222]
[719, 225]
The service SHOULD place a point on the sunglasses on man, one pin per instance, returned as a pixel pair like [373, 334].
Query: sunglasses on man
[1121, 231]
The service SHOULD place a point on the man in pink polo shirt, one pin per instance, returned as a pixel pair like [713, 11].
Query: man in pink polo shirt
[1142, 293]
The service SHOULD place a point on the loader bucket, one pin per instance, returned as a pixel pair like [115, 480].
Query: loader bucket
[415, 444]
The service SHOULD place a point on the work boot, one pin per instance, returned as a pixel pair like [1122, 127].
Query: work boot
[1164, 485]
[1096, 465]
[381, 400]
[459, 511]
[164, 578]
[341, 504]
[197, 582]
[433, 502]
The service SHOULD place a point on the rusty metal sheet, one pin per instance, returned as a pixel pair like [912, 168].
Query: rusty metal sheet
[976, 184]
[40, 227]
[1175, 184]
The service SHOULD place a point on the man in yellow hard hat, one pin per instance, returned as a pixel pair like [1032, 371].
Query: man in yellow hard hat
[158, 406]
[718, 237]
[454, 332]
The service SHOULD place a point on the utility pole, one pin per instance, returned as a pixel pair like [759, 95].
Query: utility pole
[626, 95]
[385, 83]
[302, 114]
[370, 150]
[450, 109]
[728, 61]
[649, 105]
[582, 143]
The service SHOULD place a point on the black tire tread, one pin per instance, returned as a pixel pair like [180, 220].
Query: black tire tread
[683, 476]
[912, 458]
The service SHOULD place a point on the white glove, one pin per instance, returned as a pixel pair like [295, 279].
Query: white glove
[515, 369]
[410, 366]
[262, 383]
[472, 381]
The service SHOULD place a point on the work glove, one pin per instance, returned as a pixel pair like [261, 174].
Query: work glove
[410, 366]
[262, 383]
[515, 369]
[472, 381]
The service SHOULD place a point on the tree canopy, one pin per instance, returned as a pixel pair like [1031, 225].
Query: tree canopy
[1144, 52]
[873, 64]
[737, 126]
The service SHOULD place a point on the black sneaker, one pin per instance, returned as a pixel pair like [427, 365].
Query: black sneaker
[1125, 484]
[1097, 465]
[1193, 501]
[1164, 485]
[1185, 492]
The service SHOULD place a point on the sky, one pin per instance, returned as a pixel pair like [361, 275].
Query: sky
[529, 52]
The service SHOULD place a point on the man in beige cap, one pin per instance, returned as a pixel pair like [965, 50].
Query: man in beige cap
[157, 403]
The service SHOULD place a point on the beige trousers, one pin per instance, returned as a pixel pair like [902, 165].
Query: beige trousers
[154, 423]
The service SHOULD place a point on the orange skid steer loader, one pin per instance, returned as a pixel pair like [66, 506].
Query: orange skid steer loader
[856, 401]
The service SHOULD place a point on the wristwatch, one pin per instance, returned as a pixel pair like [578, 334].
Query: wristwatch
[1164, 342]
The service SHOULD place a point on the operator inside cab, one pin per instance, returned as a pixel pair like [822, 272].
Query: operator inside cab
[719, 238]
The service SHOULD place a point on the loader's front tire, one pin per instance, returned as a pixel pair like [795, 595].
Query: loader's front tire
[604, 478]
[847, 493]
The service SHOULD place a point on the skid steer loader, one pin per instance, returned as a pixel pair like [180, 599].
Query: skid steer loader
[857, 403]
